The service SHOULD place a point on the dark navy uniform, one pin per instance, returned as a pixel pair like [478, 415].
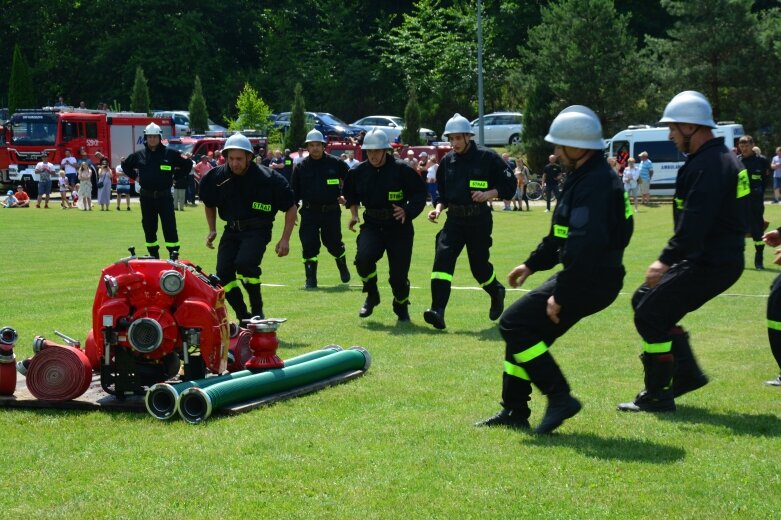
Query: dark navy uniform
[705, 257]
[551, 178]
[380, 189]
[774, 323]
[757, 168]
[156, 171]
[248, 203]
[318, 185]
[468, 224]
[591, 226]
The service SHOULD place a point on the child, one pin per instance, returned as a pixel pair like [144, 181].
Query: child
[10, 200]
[62, 180]
[75, 196]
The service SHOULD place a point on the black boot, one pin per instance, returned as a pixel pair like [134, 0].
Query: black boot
[372, 299]
[546, 375]
[435, 317]
[658, 393]
[516, 419]
[440, 294]
[255, 300]
[310, 268]
[496, 290]
[236, 301]
[154, 251]
[401, 310]
[758, 262]
[344, 272]
[687, 374]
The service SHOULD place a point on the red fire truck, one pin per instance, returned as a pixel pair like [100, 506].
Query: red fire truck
[33, 135]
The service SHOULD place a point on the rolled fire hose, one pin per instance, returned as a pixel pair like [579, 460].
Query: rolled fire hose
[197, 404]
[59, 374]
[162, 399]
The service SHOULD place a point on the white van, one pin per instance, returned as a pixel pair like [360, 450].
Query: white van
[662, 152]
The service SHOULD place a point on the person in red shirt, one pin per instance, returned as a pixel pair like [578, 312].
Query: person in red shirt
[22, 199]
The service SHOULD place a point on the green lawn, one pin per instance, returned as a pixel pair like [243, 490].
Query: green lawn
[398, 442]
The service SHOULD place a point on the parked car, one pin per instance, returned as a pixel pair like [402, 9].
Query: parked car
[393, 126]
[331, 126]
[500, 128]
[181, 119]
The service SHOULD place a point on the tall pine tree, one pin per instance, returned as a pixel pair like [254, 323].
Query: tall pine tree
[411, 132]
[296, 133]
[139, 98]
[199, 116]
[20, 85]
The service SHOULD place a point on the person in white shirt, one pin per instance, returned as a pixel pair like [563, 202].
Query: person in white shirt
[69, 164]
[775, 165]
[631, 175]
[351, 161]
[45, 170]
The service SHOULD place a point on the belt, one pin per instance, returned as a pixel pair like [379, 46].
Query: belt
[322, 207]
[247, 224]
[378, 214]
[468, 210]
[155, 194]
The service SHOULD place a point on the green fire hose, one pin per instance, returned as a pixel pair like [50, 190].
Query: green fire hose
[162, 399]
[197, 404]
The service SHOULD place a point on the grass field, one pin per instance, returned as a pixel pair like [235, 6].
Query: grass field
[398, 442]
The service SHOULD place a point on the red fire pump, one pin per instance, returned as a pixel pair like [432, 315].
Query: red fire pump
[151, 317]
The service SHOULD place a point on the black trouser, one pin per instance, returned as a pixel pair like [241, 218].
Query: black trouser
[756, 212]
[528, 332]
[317, 225]
[684, 288]
[774, 320]
[395, 239]
[238, 260]
[474, 233]
[550, 190]
[153, 207]
[192, 188]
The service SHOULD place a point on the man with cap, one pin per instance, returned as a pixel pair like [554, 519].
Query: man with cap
[393, 195]
[247, 196]
[155, 168]
[590, 228]
[467, 178]
[317, 182]
[703, 258]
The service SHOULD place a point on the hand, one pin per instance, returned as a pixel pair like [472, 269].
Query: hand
[399, 213]
[210, 239]
[480, 196]
[772, 238]
[341, 200]
[654, 273]
[519, 275]
[433, 215]
[553, 309]
[282, 248]
[353, 221]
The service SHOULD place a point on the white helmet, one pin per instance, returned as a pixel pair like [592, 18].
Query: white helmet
[375, 139]
[576, 126]
[689, 107]
[457, 124]
[314, 136]
[237, 142]
[153, 129]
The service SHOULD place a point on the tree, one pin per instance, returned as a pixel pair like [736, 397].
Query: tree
[199, 116]
[296, 132]
[20, 85]
[411, 132]
[253, 111]
[139, 98]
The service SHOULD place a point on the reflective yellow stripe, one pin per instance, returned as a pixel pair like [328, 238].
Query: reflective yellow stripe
[231, 285]
[775, 325]
[342, 255]
[442, 276]
[165, 167]
[657, 348]
[530, 353]
[759, 243]
[560, 231]
[395, 195]
[172, 244]
[313, 259]
[480, 185]
[401, 302]
[153, 244]
[678, 203]
[515, 370]
[373, 275]
[248, 280]
[331, 182]
[493, 277]
[627, 206]
[744, 186]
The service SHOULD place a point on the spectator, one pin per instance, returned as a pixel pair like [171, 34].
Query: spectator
[10, 200]
[522, 177]
[611, 161]
[123, 188]
[352, 162]
[44, 169]
[423, 164]
[219, 158]
[287, 161]
[69, 164]
[630, 177]
[300, 156]
[270, 157]
[104, 184]
[82, 105]
[411, 160]
[22, 199]
[431, 179]
[75, 196]
[62, 180]
[180, 186]
[551, 176]
[85, 189]
[775, 165]
[508, 204]
[60, 102]
[200, 169]
[277, 162]
[646, 174]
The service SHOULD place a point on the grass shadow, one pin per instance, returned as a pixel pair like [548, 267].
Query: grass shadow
[488, 334]
[758, 425]
[612, 448]
[339, 288]
[400, 328]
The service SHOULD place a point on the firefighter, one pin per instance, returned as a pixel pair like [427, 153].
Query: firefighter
[758, 170]
[773, 239]
[467, 178]
[590, 228]
[247, 197]
[703, 258]
[155, 167]
[317, 183]
[393, 195]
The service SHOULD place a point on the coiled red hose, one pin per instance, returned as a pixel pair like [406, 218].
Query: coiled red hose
[59, 374]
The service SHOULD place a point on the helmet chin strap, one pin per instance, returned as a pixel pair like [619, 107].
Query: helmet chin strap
[688, 138]
[574, 160]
